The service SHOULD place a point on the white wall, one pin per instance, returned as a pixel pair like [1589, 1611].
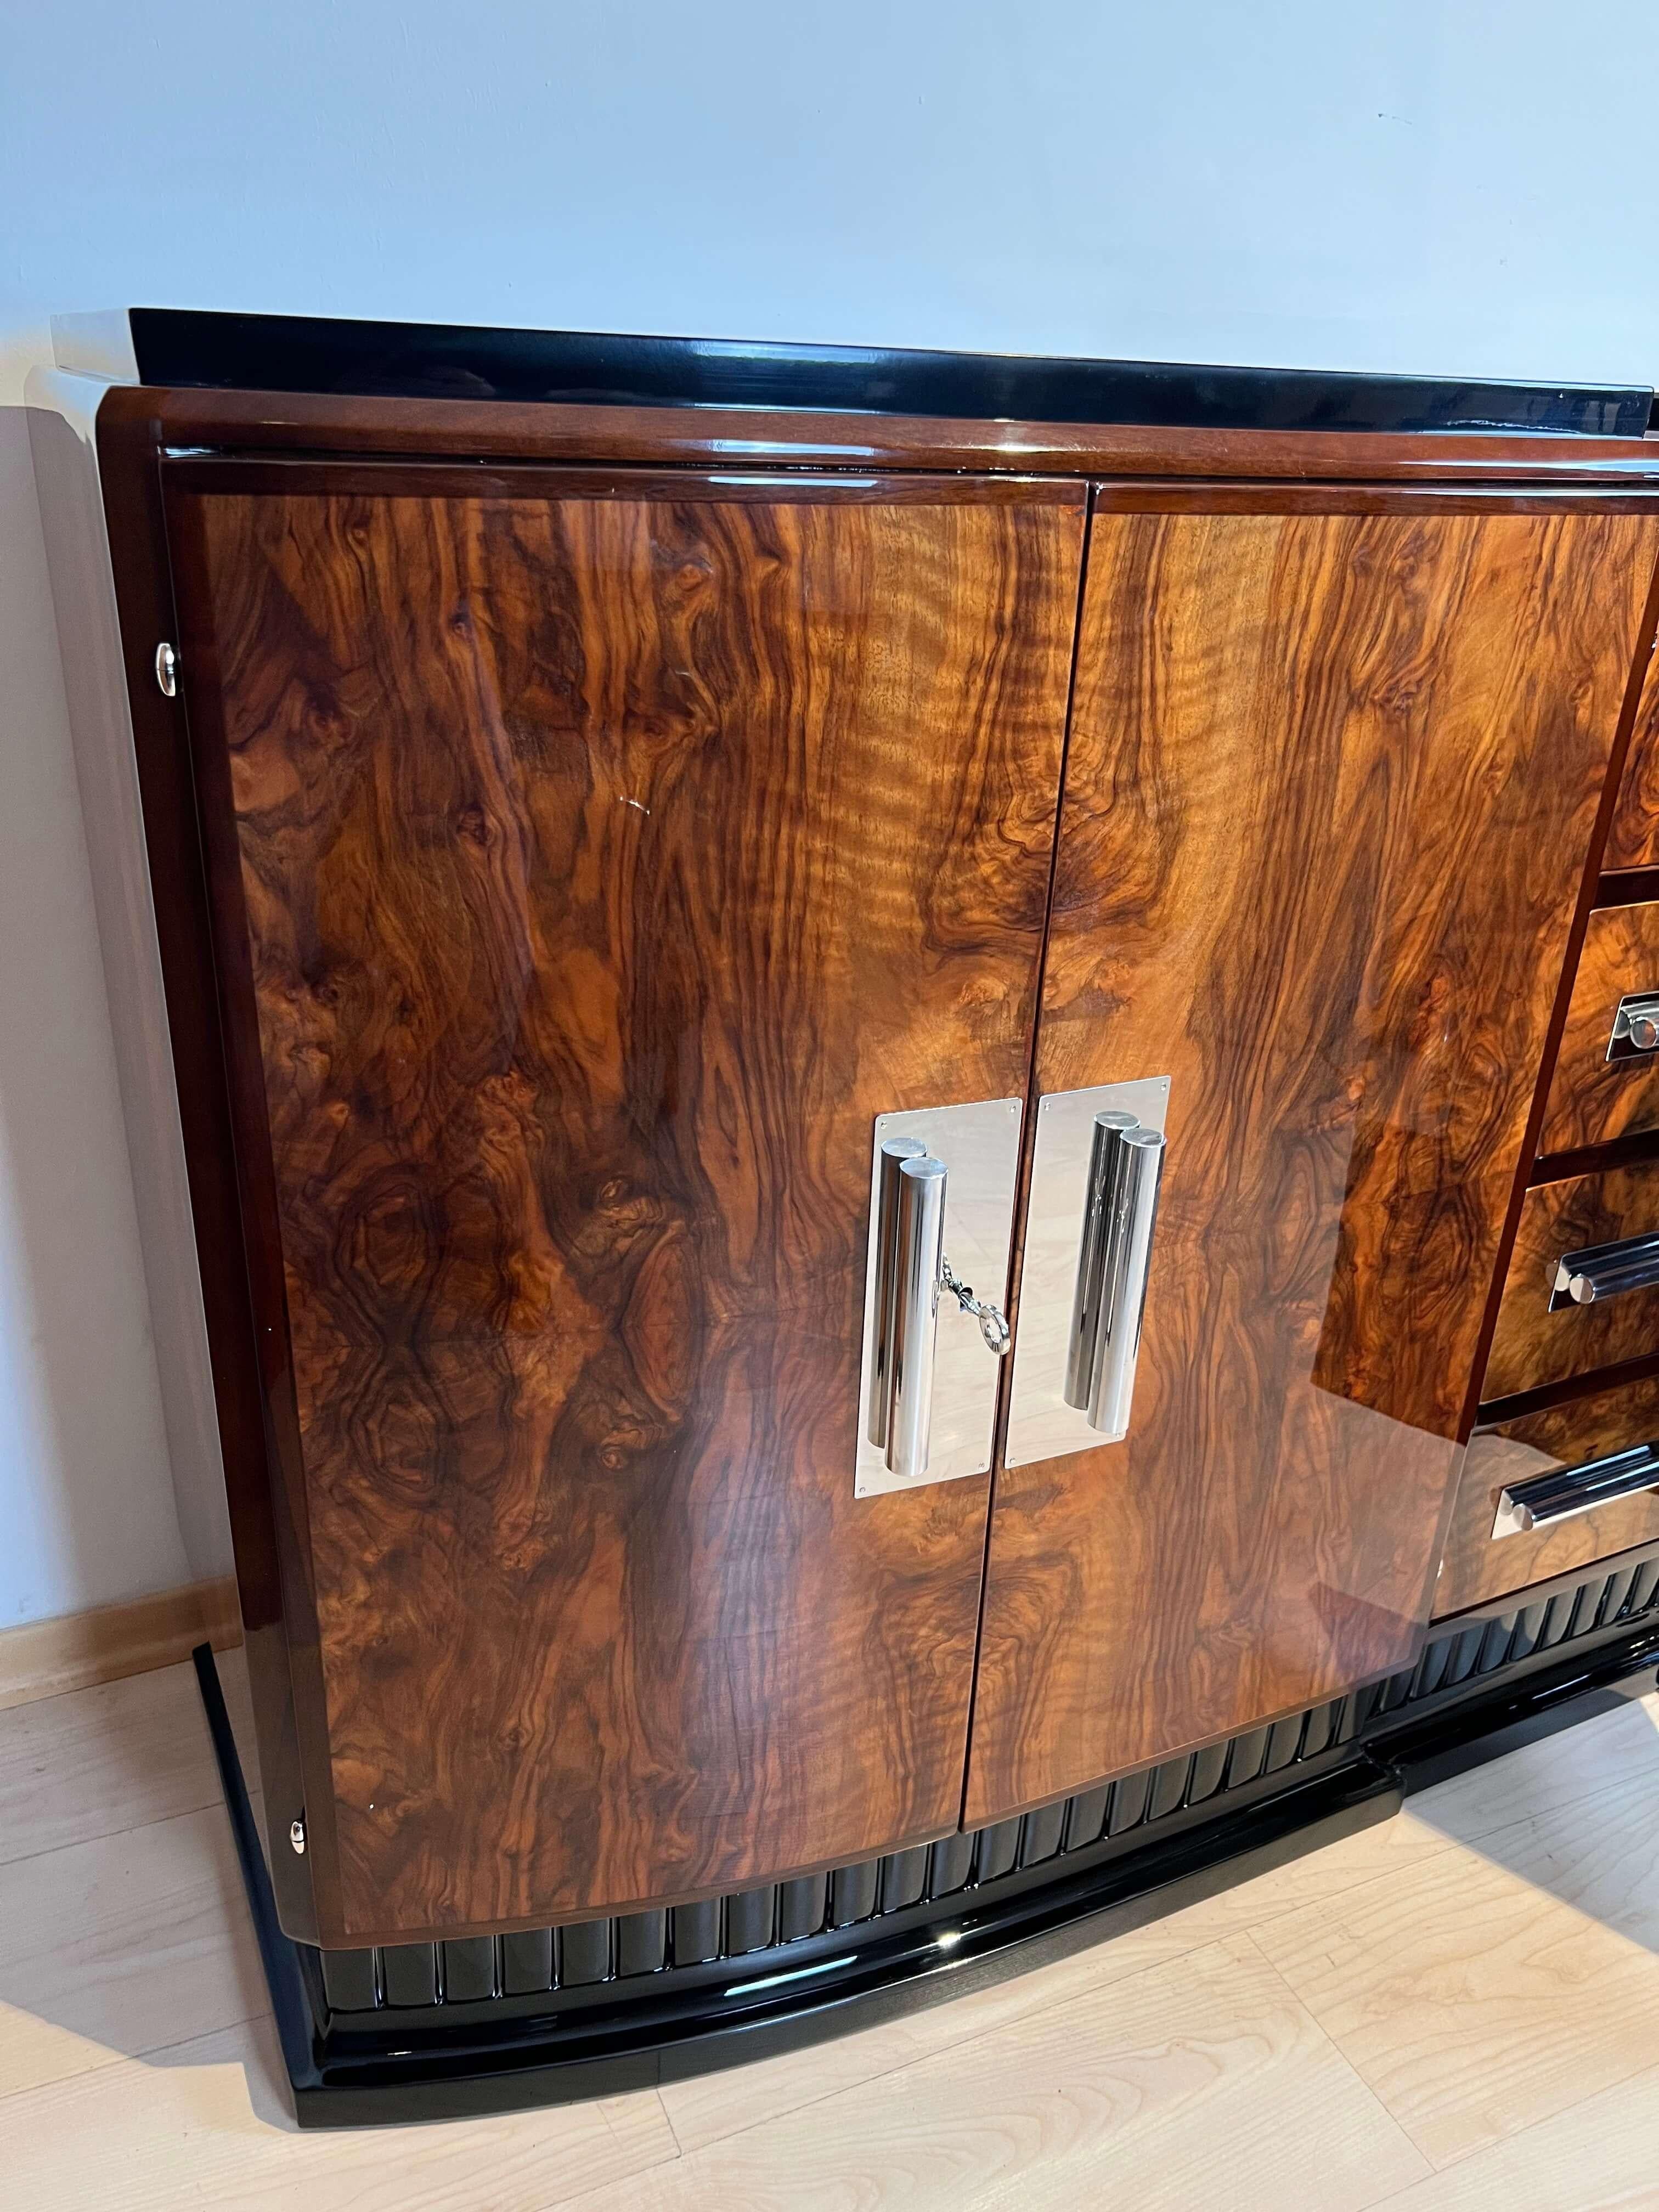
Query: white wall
[1457, 186]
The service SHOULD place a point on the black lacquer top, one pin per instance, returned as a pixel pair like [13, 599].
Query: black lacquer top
[297, 353]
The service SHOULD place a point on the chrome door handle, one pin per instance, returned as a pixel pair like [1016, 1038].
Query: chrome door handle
[1605, 1271]
[1566, 1491]
[910, 1234]
[910, 1271]
[1126, 1168]
[1090, 1222]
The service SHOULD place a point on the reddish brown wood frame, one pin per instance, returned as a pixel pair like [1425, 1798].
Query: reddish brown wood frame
[138, 427]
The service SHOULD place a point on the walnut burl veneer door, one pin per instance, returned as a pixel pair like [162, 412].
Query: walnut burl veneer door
[1331, 787]
[609, 854]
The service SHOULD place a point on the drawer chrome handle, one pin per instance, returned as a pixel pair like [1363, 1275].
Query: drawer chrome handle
[1605, 1271]
[1126, 1168]
[1635, 1026]
[1565, 1493]
[911, 1272]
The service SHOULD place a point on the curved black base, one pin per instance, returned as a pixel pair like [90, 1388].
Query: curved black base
[420, 2040]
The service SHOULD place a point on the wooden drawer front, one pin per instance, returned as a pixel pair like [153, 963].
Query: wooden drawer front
[1593, 1097]
[1532, 1344]
[1633, 840]
[1479, 1565]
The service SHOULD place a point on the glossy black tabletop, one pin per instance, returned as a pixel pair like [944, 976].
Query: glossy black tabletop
[295, 353]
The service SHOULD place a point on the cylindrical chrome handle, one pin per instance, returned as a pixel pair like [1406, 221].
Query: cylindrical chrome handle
[894, 1152]
[1091, 1297]
[1635, 1026]
[1126, 1167]
[921, 1253]
[1605, 1271]
[1566, 1491]
[910, 1273]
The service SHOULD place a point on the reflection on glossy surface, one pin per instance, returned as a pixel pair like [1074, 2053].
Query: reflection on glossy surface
[978, 1146]
[1546, 1334]
[1478, 1566]
[1291, 732]
[609, 861]
[1633, 837]
[1605, 1082]
[1042, 1422]
[302, 353]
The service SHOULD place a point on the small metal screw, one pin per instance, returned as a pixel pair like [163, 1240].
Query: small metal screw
[166, 675]
[296, 1835]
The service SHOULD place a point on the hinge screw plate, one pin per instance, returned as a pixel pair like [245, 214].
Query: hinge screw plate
[166, 675]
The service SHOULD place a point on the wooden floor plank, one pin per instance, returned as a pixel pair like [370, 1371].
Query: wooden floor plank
[205, 2125]
[1612, 1751]
[1601, 2155]
[722, 2104]
[1198, 2081]
[93, 1762]
[1473, 1984]
[123, 1945]
[1507, 1981]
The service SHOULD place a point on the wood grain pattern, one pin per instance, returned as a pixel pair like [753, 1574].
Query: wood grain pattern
[117, 1756]
[1149, 2092]
[610, 859]
[1531, 1346]
[1200, 2113]
[1633, 839]
[1473, 1568]
[1522, 1981]
[711, 436]
[273, 1578]
[1290, 736]
[208, 2121]
[105, 1643]
[1590, 2156]
[709, 2107]
[113, 1940]
[1593, 1099]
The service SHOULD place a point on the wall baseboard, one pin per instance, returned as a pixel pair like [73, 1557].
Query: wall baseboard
[43, 1658]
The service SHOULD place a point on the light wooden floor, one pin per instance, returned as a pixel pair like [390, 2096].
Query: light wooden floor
[1459, 2008]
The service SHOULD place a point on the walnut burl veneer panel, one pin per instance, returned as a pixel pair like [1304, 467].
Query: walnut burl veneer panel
[612, 855]
[1593, 1098]
[1476, 1568]
[1330, 790]
[1633, 840]
[1530, 1345]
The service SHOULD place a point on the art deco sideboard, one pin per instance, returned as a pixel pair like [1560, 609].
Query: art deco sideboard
[900, 1128]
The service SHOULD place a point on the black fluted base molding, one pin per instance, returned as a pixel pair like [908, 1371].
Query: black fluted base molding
[440, 2031]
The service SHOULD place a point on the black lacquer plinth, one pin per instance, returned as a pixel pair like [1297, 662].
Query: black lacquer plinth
[437, 2031]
